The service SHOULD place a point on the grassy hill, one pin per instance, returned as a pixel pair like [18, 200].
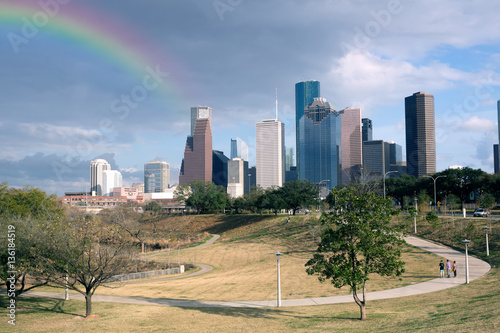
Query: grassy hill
[245, 269]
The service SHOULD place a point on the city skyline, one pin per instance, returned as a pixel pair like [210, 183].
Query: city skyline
[116, 79]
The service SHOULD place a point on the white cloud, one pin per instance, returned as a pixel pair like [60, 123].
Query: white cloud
[476, 124]
[380, 81]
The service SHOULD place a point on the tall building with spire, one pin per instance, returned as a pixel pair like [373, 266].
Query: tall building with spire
[197, 162]
[496, 147]
[420, 134]
[97, 168]
[305, 92]
[320, 143]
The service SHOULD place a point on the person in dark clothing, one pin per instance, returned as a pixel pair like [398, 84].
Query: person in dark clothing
[441, 269]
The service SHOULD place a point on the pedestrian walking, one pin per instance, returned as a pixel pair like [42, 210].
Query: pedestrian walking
[454, 269]
[448, 268]
[441, 269]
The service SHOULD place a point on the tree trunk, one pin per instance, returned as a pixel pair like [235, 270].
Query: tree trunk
[360, 303]
[88, 304]
[142, 247]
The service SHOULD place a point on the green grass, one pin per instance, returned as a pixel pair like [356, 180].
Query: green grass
[466, 308]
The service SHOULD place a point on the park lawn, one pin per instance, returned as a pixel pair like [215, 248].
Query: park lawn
[465, 308]
[244, 267]
[246, 271]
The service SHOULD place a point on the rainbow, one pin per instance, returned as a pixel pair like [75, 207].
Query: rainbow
[102, 35]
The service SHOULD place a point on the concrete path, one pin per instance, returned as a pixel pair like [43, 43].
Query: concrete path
[477, 268]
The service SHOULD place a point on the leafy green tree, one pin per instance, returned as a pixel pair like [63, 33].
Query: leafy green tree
[254, 200]
[358, 241]
[461, 182]
[399, 187]
[487, 200]
[432, 219]
[273, 199]
[29, 201]
[23, 237]
[206, 196]
[300, 193]
[153, 207]
[24, 215]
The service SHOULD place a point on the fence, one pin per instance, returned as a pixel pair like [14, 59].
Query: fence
[148, 274]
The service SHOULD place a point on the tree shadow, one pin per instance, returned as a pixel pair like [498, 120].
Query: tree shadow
[29, 304]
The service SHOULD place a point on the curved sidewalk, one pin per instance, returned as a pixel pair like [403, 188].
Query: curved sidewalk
[477, 268]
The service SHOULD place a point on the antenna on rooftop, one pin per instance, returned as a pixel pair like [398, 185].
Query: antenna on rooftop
[276, 104]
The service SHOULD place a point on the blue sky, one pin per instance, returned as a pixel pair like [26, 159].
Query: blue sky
[58, 94]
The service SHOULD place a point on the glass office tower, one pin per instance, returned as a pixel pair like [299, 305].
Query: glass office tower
[305, 92]
[320, 143]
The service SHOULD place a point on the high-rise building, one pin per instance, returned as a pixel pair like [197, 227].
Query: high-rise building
[270, 153]
[236, 177]
[396, 152]
[320, 144]
[239, 149]
[252, 175]
[97, 168]
[352, 148]
[305, 92]
[496, 148]
[290, 168]
[219, 168]
[156, 177]
[420, 134]
[367, 129]
[197, 162]
[200, 112]
[111, 179]
[376, 158]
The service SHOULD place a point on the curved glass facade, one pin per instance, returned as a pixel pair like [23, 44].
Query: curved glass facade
[320, 143]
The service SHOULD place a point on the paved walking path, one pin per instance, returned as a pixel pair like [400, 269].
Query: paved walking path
[477, 268]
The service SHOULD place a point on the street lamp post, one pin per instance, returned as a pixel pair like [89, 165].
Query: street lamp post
[415, 213]
[466, 241]
[278, 254]
[434, 179]
[487, 247]
[388, 172]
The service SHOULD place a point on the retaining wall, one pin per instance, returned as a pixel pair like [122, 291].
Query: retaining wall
[148, 274]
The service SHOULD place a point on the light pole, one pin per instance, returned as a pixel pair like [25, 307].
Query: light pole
[278, 254]
[415, 214]
[487, 247]
[434, 179]
[466, 241]
[388, 172]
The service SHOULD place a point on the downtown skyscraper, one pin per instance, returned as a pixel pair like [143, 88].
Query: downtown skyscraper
[305, 92]
[270, 153]
[156, 177]
[352, 146]
[320, 143]
[420, 134]
[197, 161]
[97, 168]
